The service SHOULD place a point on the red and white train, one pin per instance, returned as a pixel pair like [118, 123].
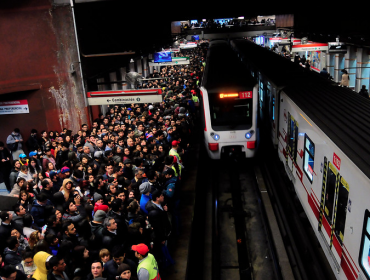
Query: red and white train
[322, 135]
[229, 104]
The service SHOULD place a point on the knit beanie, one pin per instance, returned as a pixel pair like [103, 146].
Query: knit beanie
[145, 187]
[99, 216]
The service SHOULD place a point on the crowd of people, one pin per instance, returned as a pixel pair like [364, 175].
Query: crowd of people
[217, 23]
[101, 202]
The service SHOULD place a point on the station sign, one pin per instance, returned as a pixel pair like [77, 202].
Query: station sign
[175, 50]
[188, 45]
[175, 61]
[310, 47]
[285, 41]
[113, 97]
[14, 107]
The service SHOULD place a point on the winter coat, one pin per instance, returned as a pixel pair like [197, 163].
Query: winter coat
[32, 143]
[13, 177]
[111, 267]
[159, 221]
[143, 201]
[11, 257]
[15, 136]
[29, 270]
[345, 80]
[170, 186]
[97, 231]
[38, 212]
[46, 160]
[111, 239]
[26, 177]
[15, 190]
[40, 262]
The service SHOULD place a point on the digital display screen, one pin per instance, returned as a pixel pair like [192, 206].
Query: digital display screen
[162, 57]
[196, 37]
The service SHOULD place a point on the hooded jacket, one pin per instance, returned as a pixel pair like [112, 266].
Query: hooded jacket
[38, 212]
[41, 272]
[11, 257]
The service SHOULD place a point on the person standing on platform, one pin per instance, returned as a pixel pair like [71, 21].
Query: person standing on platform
[5, 165]
[363, 92]
[14, 142]
[345, 79]
[147, 268]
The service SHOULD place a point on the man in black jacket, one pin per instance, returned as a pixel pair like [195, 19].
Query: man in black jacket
[110, 236]
[159, 221]
[11, 256]
[5, 228]
[118, 258]
[5, 166]
[116, 213]
[32, 142]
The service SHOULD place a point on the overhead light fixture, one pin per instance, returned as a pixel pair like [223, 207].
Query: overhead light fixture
[131, 60]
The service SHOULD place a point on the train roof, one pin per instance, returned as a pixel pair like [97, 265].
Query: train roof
[224, 72]
[340, 113]
[279, 70]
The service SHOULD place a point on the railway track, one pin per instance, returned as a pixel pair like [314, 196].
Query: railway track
[247, 224]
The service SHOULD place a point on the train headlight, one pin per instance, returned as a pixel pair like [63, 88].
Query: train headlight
[215, 136]
[249, 134]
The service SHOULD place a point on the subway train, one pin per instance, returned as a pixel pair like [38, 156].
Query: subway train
[322, 135]
[228, 98]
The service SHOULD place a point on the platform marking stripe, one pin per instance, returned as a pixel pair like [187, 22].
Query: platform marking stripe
[335, 209]
[325, 172]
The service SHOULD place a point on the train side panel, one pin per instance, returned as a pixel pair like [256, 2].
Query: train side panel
[332, 190]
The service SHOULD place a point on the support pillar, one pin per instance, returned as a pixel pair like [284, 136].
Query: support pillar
[123, 77]
[113, 78]
[145, 67]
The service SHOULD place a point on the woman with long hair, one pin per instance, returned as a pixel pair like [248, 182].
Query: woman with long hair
[44, 141]
[34, 169]
[25, 199]
[67, 189]
[49, 167]
[133, 210]
[34, 238]
[81, 260]
[17, 187]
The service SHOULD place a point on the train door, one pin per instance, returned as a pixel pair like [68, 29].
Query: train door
[333, 209]
[292, 139]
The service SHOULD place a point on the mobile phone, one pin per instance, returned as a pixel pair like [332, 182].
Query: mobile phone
[44, 227]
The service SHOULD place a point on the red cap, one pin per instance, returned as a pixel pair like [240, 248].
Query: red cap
[175, 143]
[105, 208]
[141, 248]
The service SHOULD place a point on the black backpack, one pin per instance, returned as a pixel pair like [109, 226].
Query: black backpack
[13, 147]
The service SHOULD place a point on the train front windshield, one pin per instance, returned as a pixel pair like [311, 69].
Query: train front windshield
[230, 113]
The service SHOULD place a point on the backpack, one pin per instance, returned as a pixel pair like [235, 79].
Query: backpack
[13, 147]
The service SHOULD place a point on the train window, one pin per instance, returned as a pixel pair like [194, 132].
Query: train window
[364, 257]
[330, 193]
[341, 215]
[230, 113]
[292, 137]
[261, 91]
[309, 157]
